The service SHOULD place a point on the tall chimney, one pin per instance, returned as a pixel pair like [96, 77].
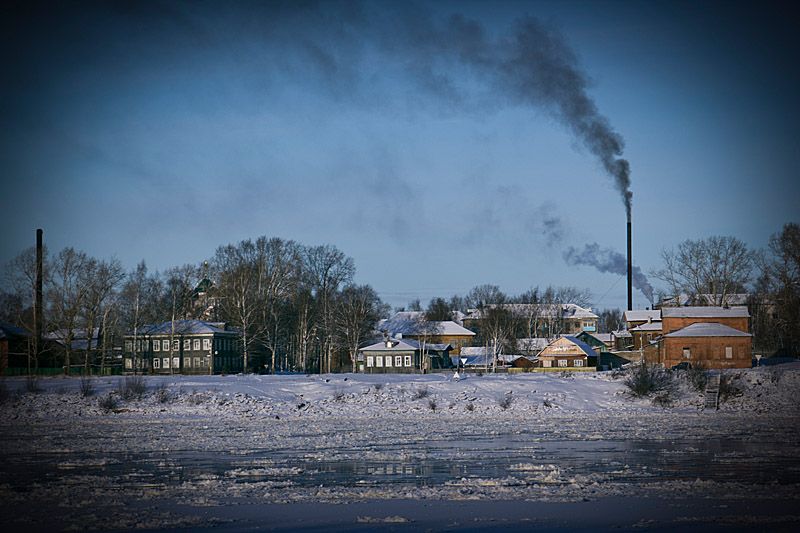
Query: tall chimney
[38, 314]
[630, 270]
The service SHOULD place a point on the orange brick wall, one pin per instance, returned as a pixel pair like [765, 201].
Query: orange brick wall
[708, 351]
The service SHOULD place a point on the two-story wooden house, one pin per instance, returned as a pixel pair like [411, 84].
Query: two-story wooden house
[183, 347]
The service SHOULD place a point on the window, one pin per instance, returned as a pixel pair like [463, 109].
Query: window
[562, 362]
[128, 363]
[156, 346]
[454, 343]
[578, 362]
[196, 344]
[687, 354]
[398, 360]
[156, 363]
[176, 362]
[389, 361]
[370, 361]
[407, 360]
[128, 346]
[379, 360]
[196, 362]
[187, 345]
[206, 344]
[547, 363]
[729, 352]
[166, 363]
[176, 346]
[187, 362]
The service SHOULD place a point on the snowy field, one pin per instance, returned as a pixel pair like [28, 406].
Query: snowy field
[397, 452]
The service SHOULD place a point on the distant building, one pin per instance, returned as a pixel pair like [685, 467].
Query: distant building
[411, 325]
[183, 347]
[568, 353]
[14, 349]
[546, 320]
[403, 356]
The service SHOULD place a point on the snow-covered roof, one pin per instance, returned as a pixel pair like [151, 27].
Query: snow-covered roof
[415, 327]
[705, 312]
[602, 337]
[621, 334]
[80, 338]
[183, 327]
[479, 356]
[7, 331]
[404, 345]
[686, 299]
[708, 329]
[648, 326]
[582, 346]
[542, 310]
[642, 315]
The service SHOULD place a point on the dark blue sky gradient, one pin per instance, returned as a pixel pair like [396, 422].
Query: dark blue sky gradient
[161, 130]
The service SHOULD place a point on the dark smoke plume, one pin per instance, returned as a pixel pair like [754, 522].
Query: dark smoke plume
[608, 260]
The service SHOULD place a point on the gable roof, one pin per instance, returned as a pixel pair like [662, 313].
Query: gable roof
[562, 345]
[648, 326]
[641, 316]
[183, 327]
[708, 329]
[404, 345]
[416, 327]
[705, 312]
[7, 331]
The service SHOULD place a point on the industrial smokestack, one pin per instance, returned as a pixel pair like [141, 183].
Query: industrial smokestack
[38, 316]
[630, 268]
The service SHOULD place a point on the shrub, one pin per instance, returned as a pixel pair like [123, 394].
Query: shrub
[132, 387]
[775, 375]
[197, 398]
[162, 393]
[729, 386]
[432, 404]
[470, 407]
[546, 403]
[644, 381]
[698, 377]
[421, 392]
[506, 401]
[108, 402]
[338, 396]
[378, 386]
[87, 386]
[32, 383]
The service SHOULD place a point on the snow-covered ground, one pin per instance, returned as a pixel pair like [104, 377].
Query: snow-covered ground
[194, 447]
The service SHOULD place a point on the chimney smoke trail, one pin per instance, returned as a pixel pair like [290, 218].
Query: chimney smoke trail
[607, 260]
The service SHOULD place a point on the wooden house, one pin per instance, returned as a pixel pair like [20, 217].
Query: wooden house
[411, 325]
[403, 356]
[183, 347]
[568, 353]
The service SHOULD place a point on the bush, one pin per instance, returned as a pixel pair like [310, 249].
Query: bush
[470, 407]
[421, 392]
[108, 402]
[162, 393]
[645, 381]
[87, 386]
[338, 396]
[698, 377]
[32, 383]
[378, 386]
[506, 401]
[729, 386]
[432, 404]
[132, 387]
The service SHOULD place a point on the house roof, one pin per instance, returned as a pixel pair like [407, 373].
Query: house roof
[183, 327]
[648, 326]
[705, 312]
[80, 338]
[479, 356]
[642, 316]
[7, 331]
[708, 329]
[542, 310]
[686, 299]
[395, 325]
[621, 334]
[404, 345]
[532, 343]
[568, 340]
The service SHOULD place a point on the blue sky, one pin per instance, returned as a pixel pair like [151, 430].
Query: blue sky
[161, 130]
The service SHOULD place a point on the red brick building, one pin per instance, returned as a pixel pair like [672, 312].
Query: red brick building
[714, 337]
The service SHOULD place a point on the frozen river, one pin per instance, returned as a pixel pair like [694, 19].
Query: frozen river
[336, 454]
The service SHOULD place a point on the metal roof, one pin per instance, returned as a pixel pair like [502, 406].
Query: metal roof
[705, 312]
[708, 329]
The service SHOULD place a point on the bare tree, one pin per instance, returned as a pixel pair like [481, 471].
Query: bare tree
[715, 267]
[327, 268]
[19, 277]
[68, 287]
[496, 324]
[179, 283]
[237, 289]
[358, 308]
[139, 294]
[780, 283]
[103, 279]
